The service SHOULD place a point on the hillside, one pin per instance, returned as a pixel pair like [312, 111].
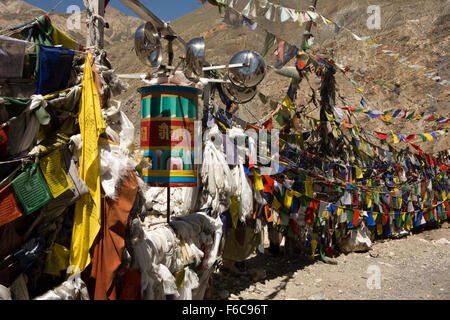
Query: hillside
[121, 27]
[415, 29]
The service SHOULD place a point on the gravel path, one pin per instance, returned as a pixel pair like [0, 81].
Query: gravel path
[415, 267]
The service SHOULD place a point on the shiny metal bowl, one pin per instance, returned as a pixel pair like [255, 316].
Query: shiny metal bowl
[253, 71]
[238, 94]
[195, 56]
[147, 45]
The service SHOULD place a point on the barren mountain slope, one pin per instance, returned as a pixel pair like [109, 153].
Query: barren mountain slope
[418, 30]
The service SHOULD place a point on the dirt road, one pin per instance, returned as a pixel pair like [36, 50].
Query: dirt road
[415, 267]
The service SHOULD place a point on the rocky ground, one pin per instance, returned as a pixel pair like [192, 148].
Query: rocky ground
[415, 267]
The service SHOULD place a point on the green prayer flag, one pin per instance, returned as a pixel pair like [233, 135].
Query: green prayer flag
[14, 107]
[394, 203]
[279, 117]
[305, 45]
[424, 139]
[411, 115]
[349, 215]
[376, 198]
[268, 43]
[321, 250]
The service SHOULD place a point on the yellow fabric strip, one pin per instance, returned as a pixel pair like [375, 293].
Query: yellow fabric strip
[57, 260]
[258, 181]
[275, 203]
[287, 102]
[87, 215]
[288, 195]
[234, 210]
[57, 180]
[313, 247]
[309, 187]
[359, 173]
[61, 38]
[379, 229]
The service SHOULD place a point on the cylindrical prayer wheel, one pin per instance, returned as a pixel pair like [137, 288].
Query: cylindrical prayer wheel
[168, 115]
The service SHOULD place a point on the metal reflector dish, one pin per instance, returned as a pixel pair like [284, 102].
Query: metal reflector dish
[253, 71]
[147, 45]
[237, 94]
[195, 57]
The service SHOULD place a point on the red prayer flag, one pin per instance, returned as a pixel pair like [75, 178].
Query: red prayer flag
[279, 52]
[382, 136]
[355, 217]
[411, 137]
[268, 124]
[269, 185]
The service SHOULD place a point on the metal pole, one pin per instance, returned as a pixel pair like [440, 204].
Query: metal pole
[168, 205]
[97, 26]
[166, 30]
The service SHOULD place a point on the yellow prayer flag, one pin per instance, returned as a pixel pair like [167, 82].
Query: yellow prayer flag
[57, 260]
[87, 215]
[359, 173]
[309, 188]
[234, 210]
[374, 215]
[57, 180]
[179, 278]
[369, 200]
[288, 195]
[287, 102]
[313, 247]
[258, 181]
[379, 229]
[339, 211]
[275, 203]
[396, 140]
[59, 37]
[359, 90]
[300, 23]
[428, 136]
[409, 225]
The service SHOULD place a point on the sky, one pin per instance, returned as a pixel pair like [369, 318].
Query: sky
[167, 10]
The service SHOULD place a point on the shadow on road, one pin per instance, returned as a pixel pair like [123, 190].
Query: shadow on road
[226, 283]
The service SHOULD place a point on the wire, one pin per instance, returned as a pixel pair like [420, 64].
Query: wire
[54, 8]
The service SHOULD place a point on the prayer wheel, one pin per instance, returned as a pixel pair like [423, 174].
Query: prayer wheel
[168, 115]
